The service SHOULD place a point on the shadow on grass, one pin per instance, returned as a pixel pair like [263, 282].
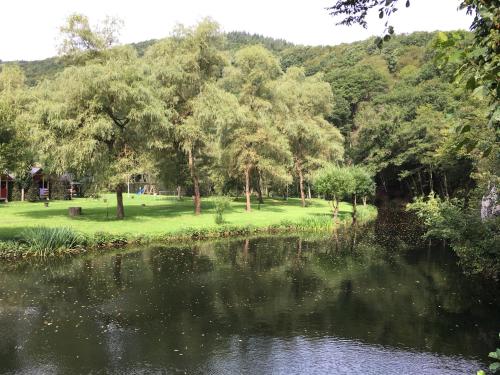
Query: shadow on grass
[98, 214]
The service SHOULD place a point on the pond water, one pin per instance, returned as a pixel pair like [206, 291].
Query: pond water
[365, 301]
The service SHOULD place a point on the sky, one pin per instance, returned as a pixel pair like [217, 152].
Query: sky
[29, 29]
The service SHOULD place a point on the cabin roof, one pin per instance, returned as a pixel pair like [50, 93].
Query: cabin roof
[35, 170]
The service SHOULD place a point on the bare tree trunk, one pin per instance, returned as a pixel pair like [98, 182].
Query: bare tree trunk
[309, 191]
[431, 182]
[364, 200]
[196, 183]
[247, 188]
[120, 210]
[178, 192]
[298, 166]
[421, 185]
[22, 194]
[259, 188]
[335, 204]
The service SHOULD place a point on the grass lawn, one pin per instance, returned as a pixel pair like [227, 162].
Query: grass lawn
[152, 215]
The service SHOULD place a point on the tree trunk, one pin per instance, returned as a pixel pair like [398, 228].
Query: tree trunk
[196, 183]
[22, 194]
[73, 211]
[247, 188]
[298, 166]
[259, 188]
[354, 207]
[178, 192]
[431, 181]
[309, 191]
[120, 211]
[335, 203]
[421, 185]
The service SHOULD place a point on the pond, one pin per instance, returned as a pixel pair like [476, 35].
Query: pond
[371, 300]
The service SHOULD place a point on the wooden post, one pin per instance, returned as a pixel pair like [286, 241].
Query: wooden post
[7, 190]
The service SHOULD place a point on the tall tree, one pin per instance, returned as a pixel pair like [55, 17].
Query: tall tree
[81, 42]
[301, 105]
[255, 145]
[183, 64]
[96, 119]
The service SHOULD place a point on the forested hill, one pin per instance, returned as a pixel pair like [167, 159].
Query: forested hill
[312, 57]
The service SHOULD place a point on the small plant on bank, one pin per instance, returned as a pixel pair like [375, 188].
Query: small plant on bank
[43, 241]
[221, 205]
[495, 366]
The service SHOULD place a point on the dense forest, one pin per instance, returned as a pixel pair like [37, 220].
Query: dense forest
[219, 113]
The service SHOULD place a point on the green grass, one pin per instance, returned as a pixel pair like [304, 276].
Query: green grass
[154, 216]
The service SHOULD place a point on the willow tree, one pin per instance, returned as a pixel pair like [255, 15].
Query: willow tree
[98, 118]
[183, 64]
[81, 42]
[255, 144]
[301, 105]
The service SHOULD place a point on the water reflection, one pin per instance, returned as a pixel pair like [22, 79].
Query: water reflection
[350, 302]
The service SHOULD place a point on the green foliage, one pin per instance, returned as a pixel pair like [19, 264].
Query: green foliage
[81, 42]
[32, 194]
[334, 182]
[475, 241]
[221, 204]
[59, 189]
[43, 241]
[495, 366]
[363, 181]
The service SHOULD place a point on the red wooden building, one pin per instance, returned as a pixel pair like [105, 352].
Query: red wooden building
[5, 180]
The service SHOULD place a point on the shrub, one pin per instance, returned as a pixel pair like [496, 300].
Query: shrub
[59, 189]
[221, 204]
[475, 241]
[43, 241]
[32, 194]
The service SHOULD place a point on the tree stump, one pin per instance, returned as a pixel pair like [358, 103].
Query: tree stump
[74, 211]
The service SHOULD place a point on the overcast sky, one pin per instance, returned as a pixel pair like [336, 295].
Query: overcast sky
[29, 28]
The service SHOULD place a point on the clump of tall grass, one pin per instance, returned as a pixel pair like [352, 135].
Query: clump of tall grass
[316, 223]
[43, 241]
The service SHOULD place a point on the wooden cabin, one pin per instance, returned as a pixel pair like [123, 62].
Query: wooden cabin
[5, 186]
[40, 182]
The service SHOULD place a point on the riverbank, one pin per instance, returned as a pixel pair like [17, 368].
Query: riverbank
[152, 219]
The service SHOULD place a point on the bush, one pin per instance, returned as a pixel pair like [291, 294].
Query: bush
[43, 241]
[32, 195]
[59, 189]
[474, 241]
[221, 204]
